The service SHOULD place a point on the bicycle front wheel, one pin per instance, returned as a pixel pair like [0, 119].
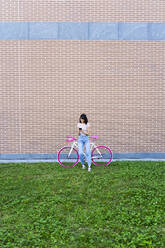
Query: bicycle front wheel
[68, 156]
[101, 155]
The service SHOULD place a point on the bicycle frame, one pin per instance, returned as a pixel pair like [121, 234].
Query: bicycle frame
[92, 145]
[94, 156]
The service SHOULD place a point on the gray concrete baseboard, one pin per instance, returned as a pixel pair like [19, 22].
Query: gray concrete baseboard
[31, 158]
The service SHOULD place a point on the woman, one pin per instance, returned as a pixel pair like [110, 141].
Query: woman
[83, 139]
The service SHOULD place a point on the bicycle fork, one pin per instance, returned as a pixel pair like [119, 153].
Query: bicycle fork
[71, 149]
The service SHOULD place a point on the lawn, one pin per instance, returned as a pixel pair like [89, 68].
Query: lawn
[46, 205]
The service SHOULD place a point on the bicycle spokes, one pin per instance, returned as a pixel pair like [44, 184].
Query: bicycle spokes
[101, 155]
[68, 157]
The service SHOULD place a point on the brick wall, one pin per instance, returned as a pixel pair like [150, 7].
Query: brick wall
[47, 84]
[83, 10]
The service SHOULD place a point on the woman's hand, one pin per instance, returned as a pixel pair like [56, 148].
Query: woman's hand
[84, 132]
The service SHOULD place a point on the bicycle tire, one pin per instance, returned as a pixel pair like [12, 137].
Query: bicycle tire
[110, 155]
[75, 160]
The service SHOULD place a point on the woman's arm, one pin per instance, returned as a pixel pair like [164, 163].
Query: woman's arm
[86, 132]
[80, 129]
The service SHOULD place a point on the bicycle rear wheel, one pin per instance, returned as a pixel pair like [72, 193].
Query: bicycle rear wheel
[68, 158]
[101, 155]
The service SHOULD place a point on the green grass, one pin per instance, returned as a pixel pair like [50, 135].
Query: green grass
[46, 205]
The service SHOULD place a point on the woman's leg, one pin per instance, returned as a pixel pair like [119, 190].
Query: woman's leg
[80, 151]
[88, 151]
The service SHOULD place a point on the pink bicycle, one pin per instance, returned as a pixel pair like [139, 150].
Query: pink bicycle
[68, 156]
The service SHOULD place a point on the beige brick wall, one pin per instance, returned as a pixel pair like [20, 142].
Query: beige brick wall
[46, 85]
[9, 98]
[83, 10]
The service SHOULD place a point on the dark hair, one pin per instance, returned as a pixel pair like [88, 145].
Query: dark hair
[83, 116]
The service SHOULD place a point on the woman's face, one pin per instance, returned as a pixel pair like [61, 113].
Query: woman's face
[82, 120]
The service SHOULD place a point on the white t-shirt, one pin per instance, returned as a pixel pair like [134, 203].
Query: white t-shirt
[83, 126]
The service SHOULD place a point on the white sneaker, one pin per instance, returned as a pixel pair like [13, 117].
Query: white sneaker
[89, 168]
[83, 166]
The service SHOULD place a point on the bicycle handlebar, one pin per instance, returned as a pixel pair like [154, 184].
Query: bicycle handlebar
[71, 138]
